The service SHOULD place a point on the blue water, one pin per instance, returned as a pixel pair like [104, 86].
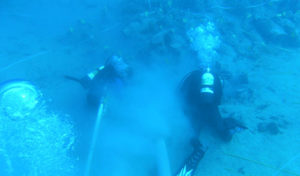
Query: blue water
[143, 129]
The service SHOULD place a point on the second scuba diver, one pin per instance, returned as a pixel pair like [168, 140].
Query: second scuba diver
[201, 93]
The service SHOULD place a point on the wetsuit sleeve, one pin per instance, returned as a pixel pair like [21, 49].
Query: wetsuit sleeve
[218, 90]
[189, 87]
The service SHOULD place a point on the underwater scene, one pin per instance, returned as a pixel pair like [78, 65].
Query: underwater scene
[149, 88]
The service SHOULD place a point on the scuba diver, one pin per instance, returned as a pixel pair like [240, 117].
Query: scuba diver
[201, 93]
[103, 83]
[104, 79]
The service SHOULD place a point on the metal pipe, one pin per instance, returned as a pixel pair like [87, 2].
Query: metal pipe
[94, 140]
[163, 159]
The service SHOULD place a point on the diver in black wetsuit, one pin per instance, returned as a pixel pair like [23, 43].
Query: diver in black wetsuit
[104, 79]
[201, 92]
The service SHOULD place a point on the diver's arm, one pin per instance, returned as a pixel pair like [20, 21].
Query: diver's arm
[189, 81]
[218, 87]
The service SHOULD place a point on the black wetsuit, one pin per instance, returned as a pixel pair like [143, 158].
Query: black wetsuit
[99, 82]
[202, 108]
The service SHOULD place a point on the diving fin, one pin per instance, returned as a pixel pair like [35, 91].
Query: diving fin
[193, 160]
[84, 82]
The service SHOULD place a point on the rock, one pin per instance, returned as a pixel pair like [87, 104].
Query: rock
[267, 29]
[132, 29]
[291, 39]
[282, 34]
[270, 128]
[159, 39]
[241, 170]
[262, 107]
[177, 41]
